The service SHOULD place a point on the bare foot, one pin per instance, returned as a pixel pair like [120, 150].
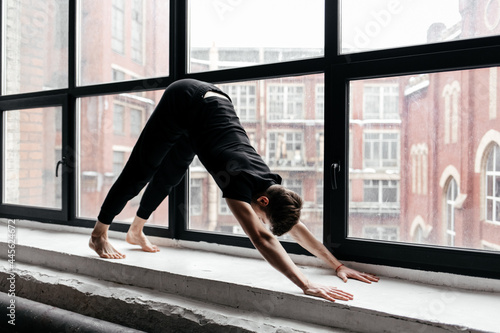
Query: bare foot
[100, 244]
[103, 248]
[135, 237]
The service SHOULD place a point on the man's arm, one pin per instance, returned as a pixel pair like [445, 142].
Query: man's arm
[307, 240]
[271, 249]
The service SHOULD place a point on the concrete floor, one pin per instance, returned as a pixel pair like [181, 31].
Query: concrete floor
[210, 279]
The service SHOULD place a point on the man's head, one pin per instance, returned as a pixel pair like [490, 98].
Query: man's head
[279, 206]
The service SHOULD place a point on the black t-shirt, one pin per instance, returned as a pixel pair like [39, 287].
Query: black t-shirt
[223, 147]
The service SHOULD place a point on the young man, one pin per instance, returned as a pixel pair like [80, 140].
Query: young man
[197, 118]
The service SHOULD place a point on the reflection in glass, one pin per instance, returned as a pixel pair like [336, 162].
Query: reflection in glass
[123, 40]
[106, 138]
[424, 165]
[280, 117]
[35, 44]
[244, 33]
[33, 145]
[368, 25]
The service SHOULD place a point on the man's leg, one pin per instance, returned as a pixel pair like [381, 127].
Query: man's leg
[154, 143]
[170, 173]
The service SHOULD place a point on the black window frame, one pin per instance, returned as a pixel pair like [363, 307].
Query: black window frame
[339, 70]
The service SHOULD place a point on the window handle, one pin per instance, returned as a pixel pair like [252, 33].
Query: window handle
[61, 162]
[334, 170]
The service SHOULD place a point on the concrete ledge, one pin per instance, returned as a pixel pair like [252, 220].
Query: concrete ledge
[30, 316]
[197, 289]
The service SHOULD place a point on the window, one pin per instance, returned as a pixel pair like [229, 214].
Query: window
[451, 196]
[283, 146]
[493, 185]
[244, 99]
[320, 101]
[118, 118]
[235, 40]
[135, 122]
[406, 162]
[195, 192]
[285, 149]
[138, 46]
[381, 150]
[118, 163]
[381, 102]
[118, 26]
[35, 42]
[401, 96]
[285, 102]
[31, 152]
[383, 24]
[108, 128]
[137, 31]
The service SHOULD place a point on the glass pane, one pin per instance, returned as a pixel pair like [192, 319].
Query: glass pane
[291, 146]
[229, 34]
[103, 151]
[434, 167]
[123, 40]
[32, 149]
[368, 25]
[35, 44]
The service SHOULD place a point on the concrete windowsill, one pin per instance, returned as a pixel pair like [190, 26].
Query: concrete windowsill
[235, 282]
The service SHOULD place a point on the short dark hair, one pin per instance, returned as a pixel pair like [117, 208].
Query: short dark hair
[283, 209]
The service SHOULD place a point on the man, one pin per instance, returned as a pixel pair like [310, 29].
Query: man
[197, 118]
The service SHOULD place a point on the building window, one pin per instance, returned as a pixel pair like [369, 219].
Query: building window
[381, 102]
[286, 102]
[118, 163]
[381, 191]
[381, 150]
[451, 196]
[135, 122]
[118, 26]
[117, 75]
[118, 119]
[285, 149]
[244, 99]
[493, 185]
[137, 31]
[419, 168]
[320, 101]
[195, 193]
[451, 96]
[223, 207]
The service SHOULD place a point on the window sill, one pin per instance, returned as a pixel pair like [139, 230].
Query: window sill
[216, 286]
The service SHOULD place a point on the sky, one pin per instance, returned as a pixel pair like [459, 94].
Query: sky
[300, 23]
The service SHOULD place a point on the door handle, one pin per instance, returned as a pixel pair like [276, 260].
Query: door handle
[61, 162]
[334, 170]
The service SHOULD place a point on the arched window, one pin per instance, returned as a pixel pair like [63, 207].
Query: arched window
[493, 185]
[451, 196]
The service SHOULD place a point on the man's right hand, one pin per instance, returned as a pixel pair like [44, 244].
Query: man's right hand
[327, 292]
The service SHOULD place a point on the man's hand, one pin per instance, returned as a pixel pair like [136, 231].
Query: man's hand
[327, 292]
[344, 273]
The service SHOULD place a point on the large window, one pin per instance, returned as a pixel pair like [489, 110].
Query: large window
[384, 24]
[139, 46]
[287, 147]
[232, 34]
[383, 115]
[409, 164]
[35, 45]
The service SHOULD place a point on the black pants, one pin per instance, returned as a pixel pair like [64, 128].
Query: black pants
[162, 153]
